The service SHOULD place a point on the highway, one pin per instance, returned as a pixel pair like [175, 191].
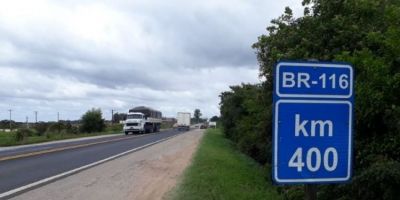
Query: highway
[26, 168]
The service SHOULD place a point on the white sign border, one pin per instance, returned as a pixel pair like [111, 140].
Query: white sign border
[307, 64]
[312, 180]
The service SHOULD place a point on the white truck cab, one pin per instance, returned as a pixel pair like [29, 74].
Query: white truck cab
[134, 122]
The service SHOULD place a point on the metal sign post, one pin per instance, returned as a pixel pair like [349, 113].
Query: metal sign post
[312, 123]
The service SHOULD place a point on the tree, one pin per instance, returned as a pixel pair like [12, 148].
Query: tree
[119, 117]
[214, 118]
[364, 33]
[197, 114]
[244, 120]
[92, 121]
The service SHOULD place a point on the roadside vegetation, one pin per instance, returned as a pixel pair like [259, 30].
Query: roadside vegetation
[364, 33]
[31, 136]
[91, 124]
[219, 171]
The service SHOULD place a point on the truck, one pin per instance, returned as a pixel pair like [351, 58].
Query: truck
[142, 119]
[183, 120]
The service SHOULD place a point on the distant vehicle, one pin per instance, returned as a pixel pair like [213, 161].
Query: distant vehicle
[203, 126]
[183, 119]
[142, 120]
[212, 124]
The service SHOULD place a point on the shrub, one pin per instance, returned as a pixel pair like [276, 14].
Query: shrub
[56, 127]
[23, 133]
[115, 127]
[364, 33]
[69, 128]
[92, 121]
[41, 128]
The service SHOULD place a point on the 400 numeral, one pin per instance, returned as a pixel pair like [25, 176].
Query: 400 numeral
[329, 159]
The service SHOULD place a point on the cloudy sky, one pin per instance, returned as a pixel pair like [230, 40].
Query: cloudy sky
[172, 55]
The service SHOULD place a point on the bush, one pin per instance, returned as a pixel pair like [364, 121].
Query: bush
[244, 120]
[41, 128]
[55, 127]
[364, 33]
[92, 121]
[69, 128]
[379, 181]
[23, 133]
[114, 127]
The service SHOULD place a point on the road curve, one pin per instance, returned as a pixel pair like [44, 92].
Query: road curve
[17, 171]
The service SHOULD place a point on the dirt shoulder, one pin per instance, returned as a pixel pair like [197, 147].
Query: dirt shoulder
[146, 174]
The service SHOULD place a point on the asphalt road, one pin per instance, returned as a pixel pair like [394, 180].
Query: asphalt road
[29, 168]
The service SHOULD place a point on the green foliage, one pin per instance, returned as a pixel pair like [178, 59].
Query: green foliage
[197, 114]
[117, 117]
[167, 125]
[23, 133]
[242, 111]
[92, 121]
[114, 127]
[55, 127]
[41, 128]
[5, 124]
[214, 119]
[365, 33]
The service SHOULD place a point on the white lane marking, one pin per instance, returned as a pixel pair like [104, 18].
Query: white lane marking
[58, 176]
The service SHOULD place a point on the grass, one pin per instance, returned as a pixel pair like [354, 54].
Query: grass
[219, 171]
[8, 139]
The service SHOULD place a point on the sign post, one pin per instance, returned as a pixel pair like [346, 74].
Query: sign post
[312, 123]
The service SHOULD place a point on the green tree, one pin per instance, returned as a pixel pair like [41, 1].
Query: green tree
[197, 115]
[244, 120]
[117, 117]
[41, 127]
[366, 34]
[214, 118]
[92, 121]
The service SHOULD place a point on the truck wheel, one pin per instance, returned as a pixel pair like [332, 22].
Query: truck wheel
[126, 133]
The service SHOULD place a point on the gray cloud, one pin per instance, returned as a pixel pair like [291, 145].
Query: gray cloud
[69, 56]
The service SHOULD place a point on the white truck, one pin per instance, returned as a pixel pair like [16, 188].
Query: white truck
[183, 120]
[142, 120]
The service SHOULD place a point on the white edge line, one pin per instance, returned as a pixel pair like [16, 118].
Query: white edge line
[43, 181]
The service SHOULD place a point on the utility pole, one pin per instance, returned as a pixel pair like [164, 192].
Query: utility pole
[27, 125]
[58, 121]
[10, 119]
[112, 116]
[36, 117]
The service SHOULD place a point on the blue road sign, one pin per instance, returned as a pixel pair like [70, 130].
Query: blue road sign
[313, 115]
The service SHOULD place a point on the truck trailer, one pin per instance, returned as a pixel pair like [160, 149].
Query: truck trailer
[183, 120]
[142, 120]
